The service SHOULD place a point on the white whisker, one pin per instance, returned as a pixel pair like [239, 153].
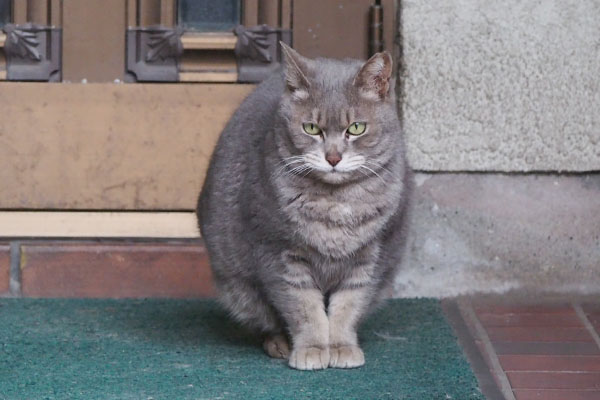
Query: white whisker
[373, 172]
[377, 165]
[300, 169]
[286, 164]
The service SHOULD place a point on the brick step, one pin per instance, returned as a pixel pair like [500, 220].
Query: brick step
[533, 349]
[106, 269]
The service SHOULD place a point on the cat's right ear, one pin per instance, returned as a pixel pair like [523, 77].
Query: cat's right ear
[296, 70]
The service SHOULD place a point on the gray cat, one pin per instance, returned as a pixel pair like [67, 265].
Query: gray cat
[304, 205]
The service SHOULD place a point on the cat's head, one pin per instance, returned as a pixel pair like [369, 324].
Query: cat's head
[341, 116]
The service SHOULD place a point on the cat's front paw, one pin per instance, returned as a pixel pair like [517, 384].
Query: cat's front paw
[346, 357]
[309, 358]
[277, 346]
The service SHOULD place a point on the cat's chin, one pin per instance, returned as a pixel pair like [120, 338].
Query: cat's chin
[335, 177]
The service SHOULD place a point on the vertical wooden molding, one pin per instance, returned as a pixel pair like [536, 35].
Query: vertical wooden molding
[37, 12]
[285, 14]
[250, 13]
[167, 13]
[389, 24]
[132, 13]
[268, 12]
[149, 11]
[55, 12]
[19, 11]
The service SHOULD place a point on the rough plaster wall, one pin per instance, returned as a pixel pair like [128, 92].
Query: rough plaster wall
[508, 85]
[494, 232]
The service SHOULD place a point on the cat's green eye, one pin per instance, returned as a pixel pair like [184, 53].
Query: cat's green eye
[311, 129]
[357, 128]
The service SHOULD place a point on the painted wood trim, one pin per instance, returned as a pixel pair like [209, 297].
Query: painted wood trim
[217, 41]
[59, 224]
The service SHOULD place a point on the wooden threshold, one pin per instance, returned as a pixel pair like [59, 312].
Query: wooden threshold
[98, 224]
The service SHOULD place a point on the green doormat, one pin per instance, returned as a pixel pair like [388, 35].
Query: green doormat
[178, 349]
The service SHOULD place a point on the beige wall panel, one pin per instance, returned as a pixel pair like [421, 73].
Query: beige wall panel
[94, 48]
[107, 146]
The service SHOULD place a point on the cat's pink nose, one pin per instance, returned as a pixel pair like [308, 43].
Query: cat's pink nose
[333, 158]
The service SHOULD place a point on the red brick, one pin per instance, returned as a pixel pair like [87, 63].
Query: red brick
[556, 394]
[534, 334]
[116, 270]
[523, 308]
[547, 348]
[4, 268]
[554, 320]
[550, 363]
[554, 380]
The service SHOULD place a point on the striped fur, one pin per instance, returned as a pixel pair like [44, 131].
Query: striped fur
[299, 250]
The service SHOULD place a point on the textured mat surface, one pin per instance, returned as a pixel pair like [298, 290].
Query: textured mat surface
[174, 349]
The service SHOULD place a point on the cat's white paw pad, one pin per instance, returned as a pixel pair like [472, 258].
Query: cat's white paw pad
[309, 358]
[346, 357]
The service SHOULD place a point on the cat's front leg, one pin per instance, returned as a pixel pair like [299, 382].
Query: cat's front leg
[346, 307]
[302, 306]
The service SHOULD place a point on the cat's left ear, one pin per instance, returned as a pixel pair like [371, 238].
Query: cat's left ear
[373, 79]
[296, 71]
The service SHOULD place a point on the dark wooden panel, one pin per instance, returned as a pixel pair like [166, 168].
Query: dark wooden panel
[331, 28]
[94, 40]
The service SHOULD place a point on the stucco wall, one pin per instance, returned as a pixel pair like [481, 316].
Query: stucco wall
[501, 85]
[497, 232]
[510, 86]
